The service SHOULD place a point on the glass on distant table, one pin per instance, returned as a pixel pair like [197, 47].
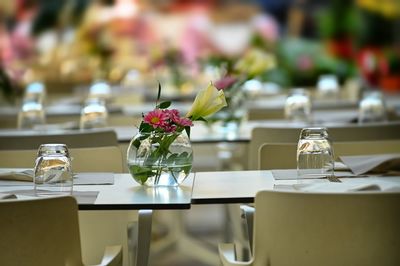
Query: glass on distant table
[298, 105]
[315, 158]
[100, 90]
[94, 114]
[328, 87]
[53, 172]
[36, 91]
[372, 108]
[31, 114]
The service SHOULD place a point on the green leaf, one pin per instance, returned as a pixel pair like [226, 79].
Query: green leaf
[187, 129]
[201, 119]
[164, 105]
[141, 174]
[144, 127]
[159, 92]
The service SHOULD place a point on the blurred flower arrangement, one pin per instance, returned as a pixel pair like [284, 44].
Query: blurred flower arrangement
[159, 150]
[254, 63]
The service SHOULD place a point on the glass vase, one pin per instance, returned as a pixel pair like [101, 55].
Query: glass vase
[160, 159]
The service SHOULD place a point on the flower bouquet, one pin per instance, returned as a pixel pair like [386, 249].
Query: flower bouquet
[161, 153]
[254, 63]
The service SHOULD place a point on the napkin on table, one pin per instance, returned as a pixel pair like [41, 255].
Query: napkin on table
[377, 163]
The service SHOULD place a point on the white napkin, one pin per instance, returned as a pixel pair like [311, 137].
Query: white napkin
[349, 186]
[7, 196]
[378, 163]
[291, 174]
[16, 174]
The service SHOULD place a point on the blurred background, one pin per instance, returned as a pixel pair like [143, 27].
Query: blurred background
[70, 43]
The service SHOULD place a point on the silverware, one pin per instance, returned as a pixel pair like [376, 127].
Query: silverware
[333, 178]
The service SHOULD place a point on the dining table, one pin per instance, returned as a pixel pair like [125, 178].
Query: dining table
[215, 187]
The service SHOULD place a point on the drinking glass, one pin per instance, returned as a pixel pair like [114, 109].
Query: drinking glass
[328, 87]
[36, 91]
[53, 172]
[94, 114]
[100, 90]
[315, 158]
[372, 108]
[298, 105]
[31, 114]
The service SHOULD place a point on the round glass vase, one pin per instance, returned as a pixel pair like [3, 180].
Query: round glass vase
[160, 159]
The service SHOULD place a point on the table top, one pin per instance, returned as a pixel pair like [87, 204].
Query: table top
[242, 186]
[220, 187]
[126, 194]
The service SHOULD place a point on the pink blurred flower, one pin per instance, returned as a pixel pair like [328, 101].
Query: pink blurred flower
[173, 114]
[225, 82]
[169, 128]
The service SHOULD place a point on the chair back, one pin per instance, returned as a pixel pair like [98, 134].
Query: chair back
[96, 159]
[74, 139]
[307, 229]
[283, 155]
[368, 132]
[42, 232]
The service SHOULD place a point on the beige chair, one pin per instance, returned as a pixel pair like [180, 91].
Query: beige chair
[98, 228]
[309, 229]
[44, 232]
[367, 132]
[96, 159]
[283, 155]
[21, 140]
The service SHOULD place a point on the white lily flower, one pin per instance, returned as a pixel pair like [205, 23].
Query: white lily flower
[207, 102]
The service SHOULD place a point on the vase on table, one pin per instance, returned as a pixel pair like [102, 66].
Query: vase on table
[160, 159]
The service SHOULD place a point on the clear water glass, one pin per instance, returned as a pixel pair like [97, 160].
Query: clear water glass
[328, 87]
[36, 91]
[31, 114]
[298, 105]
[53, 172]
[94, 114]
[315, 157]
[100, 90]
[372, 108]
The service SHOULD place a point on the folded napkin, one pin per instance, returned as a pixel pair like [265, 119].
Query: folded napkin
[378, 163]
[23, 174]
[7, 196]
[373, 185]
[16, 174]
[291, 174]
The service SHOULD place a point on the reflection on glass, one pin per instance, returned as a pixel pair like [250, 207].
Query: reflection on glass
[328, 87]
[94, 114]
[372, 108]
[53, 172]
[31, 114]
[315, 158]
[298, 105]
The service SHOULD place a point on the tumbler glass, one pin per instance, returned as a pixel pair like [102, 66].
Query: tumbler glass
[315, 157]
[298, 105]
[53, 172]
[94, 114]
[36, 91]
[328, 87]
[31, 114]
[372, 108]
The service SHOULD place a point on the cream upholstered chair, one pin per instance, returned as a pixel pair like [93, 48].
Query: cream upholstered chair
[44, 232]
[309, 229]
[98, 228]
[367, 132]
[73, 138]
[283, 155]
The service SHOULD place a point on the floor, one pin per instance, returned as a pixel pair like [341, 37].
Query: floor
[202, 223]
